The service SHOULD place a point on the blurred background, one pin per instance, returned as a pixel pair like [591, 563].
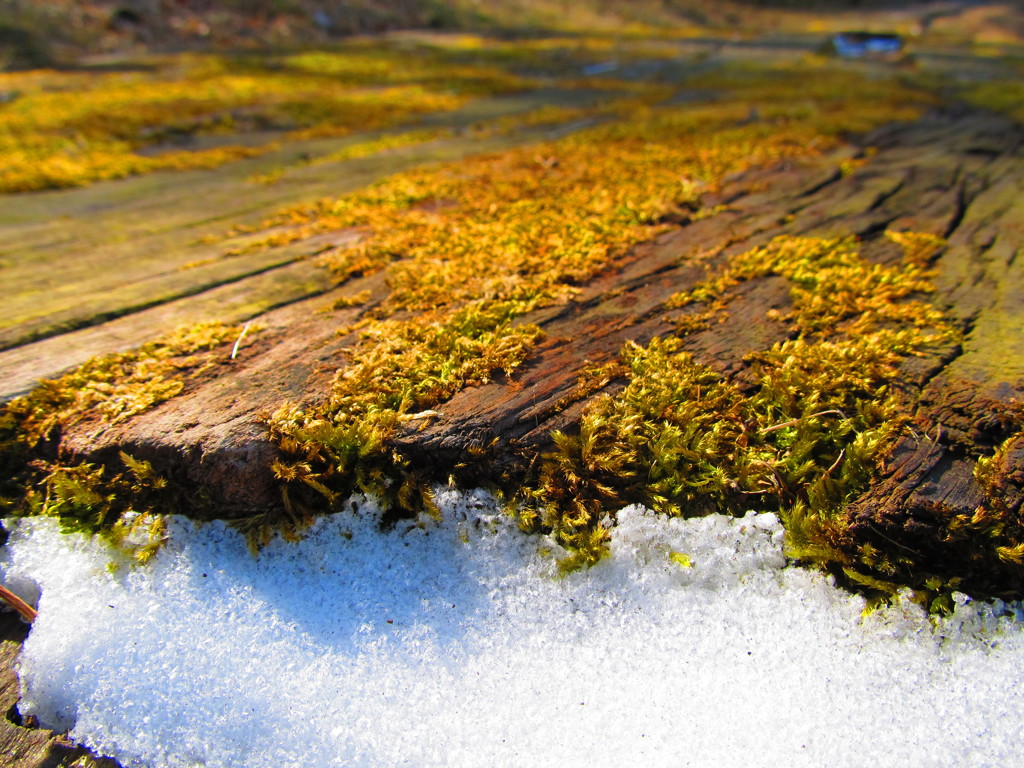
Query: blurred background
[35, 33]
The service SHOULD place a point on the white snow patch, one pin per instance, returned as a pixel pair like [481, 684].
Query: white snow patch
[457, 645]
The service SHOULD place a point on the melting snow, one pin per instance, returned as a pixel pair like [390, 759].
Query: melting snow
[458, 645]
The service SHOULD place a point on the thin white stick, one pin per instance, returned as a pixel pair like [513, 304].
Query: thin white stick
[234, 349]
[836, 463]
[791, 422]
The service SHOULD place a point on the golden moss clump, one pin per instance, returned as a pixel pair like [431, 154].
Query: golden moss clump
[535, 220]
[124, 507]
[832, 287]
[69, 129]
[105, 390]
[401, 370]
[800, 440]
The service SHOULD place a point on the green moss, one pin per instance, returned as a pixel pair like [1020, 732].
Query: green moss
[501, 233]
[114, 387]
[401, 370]
[103, 391]
[120, 506]
[979, 552]
[1003, 96]
[71, 128]
[994, 533]
[800, 441]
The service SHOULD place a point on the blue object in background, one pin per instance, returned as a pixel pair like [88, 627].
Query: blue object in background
[859, 44]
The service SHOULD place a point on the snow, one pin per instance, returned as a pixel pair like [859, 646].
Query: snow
[458, 644]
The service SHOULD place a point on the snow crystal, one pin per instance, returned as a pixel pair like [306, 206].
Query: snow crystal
[458, 644]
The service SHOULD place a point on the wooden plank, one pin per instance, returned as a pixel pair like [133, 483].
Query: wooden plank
[76, 258]
[21, 744]
[212, 439]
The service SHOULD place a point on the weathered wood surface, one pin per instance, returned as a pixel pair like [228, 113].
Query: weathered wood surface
[963, 402]
[955, 175]
[959, 176]
[96, 270]
[21, 744]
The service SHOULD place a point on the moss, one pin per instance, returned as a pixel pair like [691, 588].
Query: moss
[1003, 96]
[469, 248]
[402, 370]
[801, 440]
[103, 391]
[553, 214]
[548, 115]
[360, 149]
[980, 552]
[123, 507]
[521, 229]
[114, 387]
[69, 128]
[993, 536]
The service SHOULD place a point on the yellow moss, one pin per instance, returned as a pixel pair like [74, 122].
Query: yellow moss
[66, 129]
[402, 369]
[533, 222]
[351, 301]
[804, 437]
[113, 387]
[919, 248]
[126, 505]
[361, 149]
[833, 289]
[524, 227]
[1003, 96]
